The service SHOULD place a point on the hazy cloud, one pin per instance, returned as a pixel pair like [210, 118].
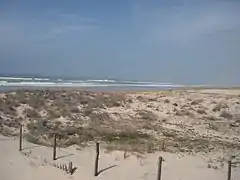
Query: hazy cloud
[186, 22]
[46, 24]
[68, 29]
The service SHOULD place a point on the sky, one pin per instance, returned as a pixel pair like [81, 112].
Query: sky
[177, 41]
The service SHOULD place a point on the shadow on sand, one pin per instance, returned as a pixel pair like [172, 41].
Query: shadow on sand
[105, 169]
[63, 156]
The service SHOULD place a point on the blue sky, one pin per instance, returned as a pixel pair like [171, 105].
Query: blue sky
[179, 41]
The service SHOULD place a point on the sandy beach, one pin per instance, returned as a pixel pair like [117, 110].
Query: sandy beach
[195, 131]
[34, 162]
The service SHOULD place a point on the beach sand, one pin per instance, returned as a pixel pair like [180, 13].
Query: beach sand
[35, 163]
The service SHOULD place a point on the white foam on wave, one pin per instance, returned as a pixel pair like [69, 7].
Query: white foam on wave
[3, 82]
[100, 80]
[41, 79]
[146, 82]
[76, 81]
[84, 84]
[28, 84]
[16, 78]
[105, 81]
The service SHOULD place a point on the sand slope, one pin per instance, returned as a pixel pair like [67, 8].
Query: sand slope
[36, 164]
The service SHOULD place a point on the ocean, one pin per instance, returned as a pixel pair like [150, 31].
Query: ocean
[15, 83]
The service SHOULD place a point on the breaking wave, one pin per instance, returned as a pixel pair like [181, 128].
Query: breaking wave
[45, 82]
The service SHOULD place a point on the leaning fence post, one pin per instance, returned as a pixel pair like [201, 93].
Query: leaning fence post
[20, 138]
[54, 147]
[159, 174]
[96, 160]
[229, 170]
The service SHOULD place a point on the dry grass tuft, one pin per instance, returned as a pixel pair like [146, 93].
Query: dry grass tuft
[226, 115]
[218, 107]
[196, 101]
[31, 113]
[147, 115]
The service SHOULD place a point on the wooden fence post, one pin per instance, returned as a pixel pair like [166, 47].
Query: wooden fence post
[125, 153]
[159, 174]
[96, 160]
[229, 170]
[20, 138]
[70, 168]
[54, 147]
[65, 168]
[164, 145]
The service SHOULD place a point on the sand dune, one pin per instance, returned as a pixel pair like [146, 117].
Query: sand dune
[195, 131]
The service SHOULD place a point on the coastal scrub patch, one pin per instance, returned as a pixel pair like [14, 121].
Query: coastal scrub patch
[126, 137]
[32, 113]
[219, 107]
[226, 115]
[196, 101]
[147, 115]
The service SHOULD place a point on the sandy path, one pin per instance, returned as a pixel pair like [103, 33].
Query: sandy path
[38, 165]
